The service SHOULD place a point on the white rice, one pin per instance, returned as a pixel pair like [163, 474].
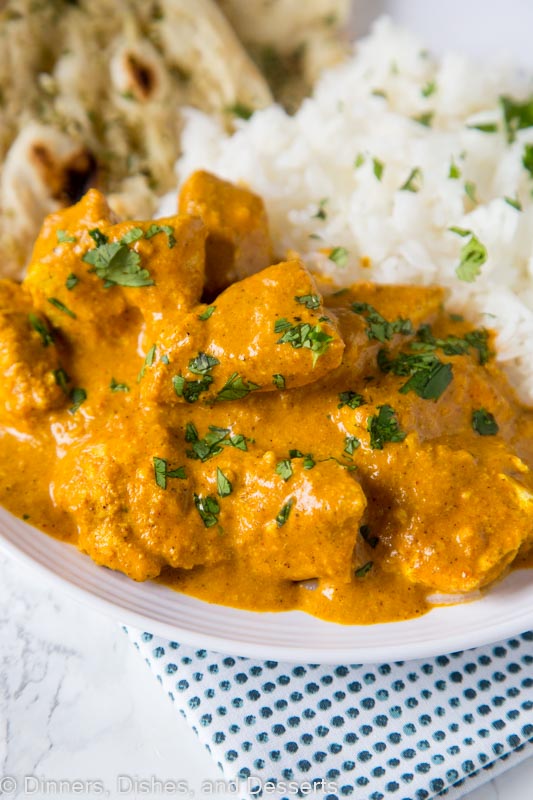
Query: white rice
[297, 162]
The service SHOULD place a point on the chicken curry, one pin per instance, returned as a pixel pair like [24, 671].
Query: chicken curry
[183, 408]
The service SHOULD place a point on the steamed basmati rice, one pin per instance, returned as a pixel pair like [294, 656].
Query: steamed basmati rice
[332, 177]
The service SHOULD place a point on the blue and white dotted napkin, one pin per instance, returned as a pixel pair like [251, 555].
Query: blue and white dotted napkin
[407, 730]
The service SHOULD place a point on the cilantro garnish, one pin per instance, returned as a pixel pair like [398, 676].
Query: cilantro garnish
[364, 570]
[61, 307]
[154, 229]
[71, 281]
[429, 377]
[284, 469]
[454, 172]
[484, 127]
[378, 167]
[236, 388]
[470, 191]
[378, 327]
[213, 442]
[240, 110]
[311, 301]
[321, 213]
[118, 387]
[365, 532]
[527, 158]
[148, 362]
[454, 345]
[514, 202]
[351, 443]
[412, 184]
[278, 381]
[208, 508]
[78, 396]
[42, 329]
[115, 263]
[133, 235]
[191, 390]
[303, 334]
[308, 460]
[473, 256]
[62, 379]
[424, 119]
[351, 399]
[339, 256]
[224, 487]
[483, 422]
[516, 115]
[429, 89]
[283, 515]
[203, 363]
[207, 313]
[64, 236]
[384, 428]
[162, 472]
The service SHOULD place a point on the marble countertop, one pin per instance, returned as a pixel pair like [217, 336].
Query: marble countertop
[78, 703]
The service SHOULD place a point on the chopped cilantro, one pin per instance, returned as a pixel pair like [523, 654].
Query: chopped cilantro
[516, 115]
[527, 158]
[164, 359]
[378, 327]
[351, 443]
[483, 422]
[454, 345]
[99, 237]
[378, 167]
[61, 307]
[514, 203]
[207, 313]
[309, 462]
[278, 381]
[484, 127]
[470, 191]
[454, 172]
[339, 256]
[306, 335]
[63, 236]
[283, 515]
[133, 235]
[71, 281]
[213, 442]
[384, 428]
[42, 329]
[321, 213]
[473, 256]
[311, 301]
[77, 396]
[240, 110]
[202, 364]
[62, 379]
[429, 89]
[282, 324]
[284, 469]
[412, 184]
[236, 388]
[351, 399]
[148, 362]
[154, 229]
[359, 160]
[116, 264]
[429, 377]
[365, 532]
[208, 508]
[162, 472]
[364, 570]
[424, 119]
[191, 390]
[224, 487]
[118, 387]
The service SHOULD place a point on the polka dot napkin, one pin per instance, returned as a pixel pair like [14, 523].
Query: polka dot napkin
[406, 730]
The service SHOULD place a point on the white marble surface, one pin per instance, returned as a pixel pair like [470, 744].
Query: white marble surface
[77, 702]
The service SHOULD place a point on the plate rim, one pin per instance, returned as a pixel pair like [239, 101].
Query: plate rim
[235, 646]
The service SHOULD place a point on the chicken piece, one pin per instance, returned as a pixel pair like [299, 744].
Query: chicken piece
[264, 333]
[238, 242]
[295, 529]
[451, 519]
[28, 357]
[99, 270]
[133, 502]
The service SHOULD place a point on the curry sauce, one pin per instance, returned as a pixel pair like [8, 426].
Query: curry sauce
[356, 454]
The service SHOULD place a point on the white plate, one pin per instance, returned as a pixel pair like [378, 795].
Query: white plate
[287, 636]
